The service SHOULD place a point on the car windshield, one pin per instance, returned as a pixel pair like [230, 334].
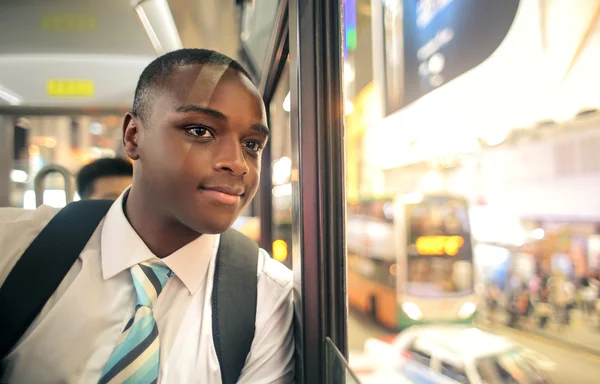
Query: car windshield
[508, 367]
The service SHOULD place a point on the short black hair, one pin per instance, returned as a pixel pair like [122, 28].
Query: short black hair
[105, 167]
[160, 68]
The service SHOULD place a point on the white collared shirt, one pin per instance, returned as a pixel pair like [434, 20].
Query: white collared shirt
[74, 335]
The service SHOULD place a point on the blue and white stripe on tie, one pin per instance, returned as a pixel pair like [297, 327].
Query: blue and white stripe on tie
[136, 356]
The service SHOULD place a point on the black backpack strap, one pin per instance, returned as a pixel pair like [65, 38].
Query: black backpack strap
[40, 270]
[234, 302]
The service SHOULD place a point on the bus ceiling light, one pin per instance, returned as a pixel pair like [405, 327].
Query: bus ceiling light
[156, 17]
[18, 176]
[412, 310]
[9, 96]
[467, 310]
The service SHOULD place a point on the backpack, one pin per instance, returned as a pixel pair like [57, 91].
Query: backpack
[65, 236]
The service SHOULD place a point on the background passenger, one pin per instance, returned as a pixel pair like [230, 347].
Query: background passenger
[104, 178]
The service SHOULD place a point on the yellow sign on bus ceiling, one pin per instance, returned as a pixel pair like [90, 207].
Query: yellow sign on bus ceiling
[67, 22]
[70, 88]
[439, 245]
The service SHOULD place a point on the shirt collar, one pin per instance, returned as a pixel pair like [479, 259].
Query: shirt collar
[121, 248]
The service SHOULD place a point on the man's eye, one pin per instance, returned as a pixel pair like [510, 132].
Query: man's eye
[199, 131]
[253, 146]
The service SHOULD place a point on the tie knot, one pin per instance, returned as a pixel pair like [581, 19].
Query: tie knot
[149, 278]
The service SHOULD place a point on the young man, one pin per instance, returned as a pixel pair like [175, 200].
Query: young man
[104, 178]
[196, 133]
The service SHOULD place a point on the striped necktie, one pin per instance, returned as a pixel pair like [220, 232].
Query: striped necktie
[136, 356]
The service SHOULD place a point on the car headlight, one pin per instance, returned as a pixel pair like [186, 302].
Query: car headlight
[412, 310]
[467, 310]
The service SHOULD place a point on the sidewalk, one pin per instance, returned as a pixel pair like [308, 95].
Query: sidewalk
[579, 334]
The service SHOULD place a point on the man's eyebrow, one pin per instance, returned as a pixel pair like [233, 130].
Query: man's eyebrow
[262, 129]
[219, 115]
[203, 110]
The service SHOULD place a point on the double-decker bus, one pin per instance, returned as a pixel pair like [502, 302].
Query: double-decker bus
[410, 259]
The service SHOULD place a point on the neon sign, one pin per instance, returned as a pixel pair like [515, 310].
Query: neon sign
[349, 26]
[439, 245]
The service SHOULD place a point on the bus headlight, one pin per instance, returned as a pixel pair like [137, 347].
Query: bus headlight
[412, 310]
[467, 310]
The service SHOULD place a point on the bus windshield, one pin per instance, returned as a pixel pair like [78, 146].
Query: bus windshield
[437, 277]
[439, 254]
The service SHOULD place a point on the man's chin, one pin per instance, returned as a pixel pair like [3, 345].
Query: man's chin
[213, 227]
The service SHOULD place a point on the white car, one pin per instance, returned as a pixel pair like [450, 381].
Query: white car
[447, 354]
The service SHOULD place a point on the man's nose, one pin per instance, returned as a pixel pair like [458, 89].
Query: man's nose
[230, 158]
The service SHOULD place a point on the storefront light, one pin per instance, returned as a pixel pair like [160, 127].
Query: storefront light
[50, 142]
[412, 310]
[95, 128]
[432, 181]
[282, 170]
[280, 250]
[412, 198]
[377, 231]
[348, 107]
[282, 190]
[349, 74]
[467, 310]
[538, 234]
[34, 150]
[496, 137]
[287, 106]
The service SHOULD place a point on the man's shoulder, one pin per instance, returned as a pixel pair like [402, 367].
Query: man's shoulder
[274, 271]
[19, 216]
[18, 229]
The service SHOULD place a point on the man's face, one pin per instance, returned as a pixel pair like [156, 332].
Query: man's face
[200, 147]
[110, 188]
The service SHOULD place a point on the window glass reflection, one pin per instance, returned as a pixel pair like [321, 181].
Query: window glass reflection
[470, 176]
[281, 166]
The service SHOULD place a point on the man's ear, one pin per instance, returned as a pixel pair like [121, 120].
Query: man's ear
[131, 133]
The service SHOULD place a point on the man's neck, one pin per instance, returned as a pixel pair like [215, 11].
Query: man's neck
[161, 235]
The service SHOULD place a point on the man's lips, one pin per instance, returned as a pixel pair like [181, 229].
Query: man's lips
[223, 194]
[227, 189]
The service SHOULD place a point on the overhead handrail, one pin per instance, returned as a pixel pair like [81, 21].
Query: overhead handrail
[40, 180]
